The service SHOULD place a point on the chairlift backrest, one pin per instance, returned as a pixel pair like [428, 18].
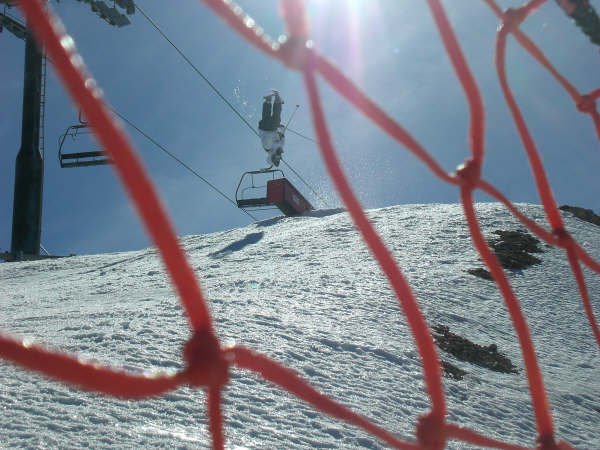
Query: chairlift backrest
[251, 191]
[275, 191]
[79, 159]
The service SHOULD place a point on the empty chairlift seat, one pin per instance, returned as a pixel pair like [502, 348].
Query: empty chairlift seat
[82, 159]
[74, 134]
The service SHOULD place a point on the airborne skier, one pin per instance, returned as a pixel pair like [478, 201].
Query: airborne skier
[270, 130]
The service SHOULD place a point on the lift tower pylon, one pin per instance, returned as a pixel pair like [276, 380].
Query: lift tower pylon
[29, 166]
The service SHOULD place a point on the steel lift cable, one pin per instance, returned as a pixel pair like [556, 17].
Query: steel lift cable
[181, 162]
[205, 78]
[193, 66]
[153, 23]
[306, 183]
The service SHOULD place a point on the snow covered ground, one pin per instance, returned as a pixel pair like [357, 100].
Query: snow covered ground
[306, 292]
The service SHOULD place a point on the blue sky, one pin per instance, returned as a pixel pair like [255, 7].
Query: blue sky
[390, 48]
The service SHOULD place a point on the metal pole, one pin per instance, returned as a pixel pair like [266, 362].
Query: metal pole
[29, 166]
[290, 119]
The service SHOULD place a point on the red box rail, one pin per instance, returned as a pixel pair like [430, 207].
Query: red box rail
[286, 197]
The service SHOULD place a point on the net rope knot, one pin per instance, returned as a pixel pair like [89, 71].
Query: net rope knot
[431, 432]
[468, 173]
[512, 18]
[547, 442]
[207, 365]
[563, 238]
[297, 53]
[586, 104]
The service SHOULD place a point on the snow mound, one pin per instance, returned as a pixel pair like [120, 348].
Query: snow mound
[306, 292]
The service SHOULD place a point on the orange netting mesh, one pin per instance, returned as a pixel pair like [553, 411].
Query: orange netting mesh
[207, 362]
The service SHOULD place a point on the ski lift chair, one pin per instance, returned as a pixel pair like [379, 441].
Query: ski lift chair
[79, 159]
[269, 189]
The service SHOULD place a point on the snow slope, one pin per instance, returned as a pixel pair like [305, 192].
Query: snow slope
[306, 292]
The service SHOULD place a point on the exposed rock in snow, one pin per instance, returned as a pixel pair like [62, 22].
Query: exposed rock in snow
[513, 249]
[453, 372]
[581, 213]
[465, 350]
[481, 273]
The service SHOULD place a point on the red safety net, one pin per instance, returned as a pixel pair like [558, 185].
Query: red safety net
[207, 362]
